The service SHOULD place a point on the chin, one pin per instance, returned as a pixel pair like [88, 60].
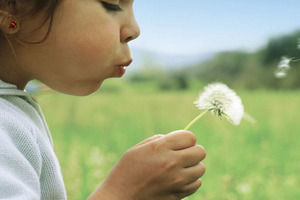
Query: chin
[82, 91]
[89, 90]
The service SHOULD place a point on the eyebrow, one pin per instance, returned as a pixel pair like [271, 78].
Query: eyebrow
[128, 1]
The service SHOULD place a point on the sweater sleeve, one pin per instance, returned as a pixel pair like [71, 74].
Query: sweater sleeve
[20, 162]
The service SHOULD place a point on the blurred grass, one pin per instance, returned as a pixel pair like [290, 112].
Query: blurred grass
[249, 162]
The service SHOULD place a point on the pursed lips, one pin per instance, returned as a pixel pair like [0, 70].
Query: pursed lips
[125, 64]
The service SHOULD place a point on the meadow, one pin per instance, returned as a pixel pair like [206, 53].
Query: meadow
[257, 161]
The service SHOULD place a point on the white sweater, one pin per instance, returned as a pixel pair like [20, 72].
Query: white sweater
[29, 169]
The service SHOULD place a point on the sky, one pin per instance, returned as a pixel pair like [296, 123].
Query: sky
[190, 27]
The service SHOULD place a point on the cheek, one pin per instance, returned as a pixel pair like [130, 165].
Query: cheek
[95, 48]
[87, 42]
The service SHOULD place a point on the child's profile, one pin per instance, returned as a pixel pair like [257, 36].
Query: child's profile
[72, 46]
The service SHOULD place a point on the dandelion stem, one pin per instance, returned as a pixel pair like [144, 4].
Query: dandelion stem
[194, 120]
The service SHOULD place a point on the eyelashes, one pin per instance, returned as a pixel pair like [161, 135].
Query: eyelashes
[111, 7]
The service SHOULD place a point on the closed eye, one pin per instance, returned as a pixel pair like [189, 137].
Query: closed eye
[111, 7]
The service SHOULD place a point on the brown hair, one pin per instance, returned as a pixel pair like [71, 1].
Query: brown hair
[29, 8]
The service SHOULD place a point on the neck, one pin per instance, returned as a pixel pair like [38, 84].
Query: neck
[12, 78]
[10, 73]
[10, 70]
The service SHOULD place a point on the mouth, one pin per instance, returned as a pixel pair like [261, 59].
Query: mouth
[125, 64]
[122, 67]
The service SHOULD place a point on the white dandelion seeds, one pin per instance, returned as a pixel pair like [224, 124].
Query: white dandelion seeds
[284, 63]
[280, 73]
[222, 101]
[283, 67]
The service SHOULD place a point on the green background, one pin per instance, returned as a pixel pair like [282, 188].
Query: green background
[249, 161]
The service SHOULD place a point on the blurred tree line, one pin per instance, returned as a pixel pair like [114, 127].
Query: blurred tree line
[238, 69]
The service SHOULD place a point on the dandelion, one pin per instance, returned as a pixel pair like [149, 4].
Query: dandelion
[283, 67]
[284, 63]
[280, 73]
[221, 101]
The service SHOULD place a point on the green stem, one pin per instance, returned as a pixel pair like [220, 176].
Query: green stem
[194, 120]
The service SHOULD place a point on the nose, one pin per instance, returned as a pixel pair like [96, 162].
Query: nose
[130, 31]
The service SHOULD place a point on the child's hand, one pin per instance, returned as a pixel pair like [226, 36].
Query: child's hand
[163, 167]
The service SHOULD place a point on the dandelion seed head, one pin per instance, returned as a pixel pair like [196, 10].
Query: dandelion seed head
[221, 101]
[284, 63]
[280, 73]
[283, 67]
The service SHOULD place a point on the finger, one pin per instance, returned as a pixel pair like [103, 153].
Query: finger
[180, 139]
[192, 174]
[154, 137]
[192, 156]
[189, 189]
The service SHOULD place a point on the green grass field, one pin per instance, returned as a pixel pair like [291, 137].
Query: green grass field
[258, 161]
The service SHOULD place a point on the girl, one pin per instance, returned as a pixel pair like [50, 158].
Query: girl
[73, 46]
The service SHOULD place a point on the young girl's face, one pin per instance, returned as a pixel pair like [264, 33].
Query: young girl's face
[87, 44]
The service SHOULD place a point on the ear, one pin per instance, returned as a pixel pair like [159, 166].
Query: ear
[8, 23]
